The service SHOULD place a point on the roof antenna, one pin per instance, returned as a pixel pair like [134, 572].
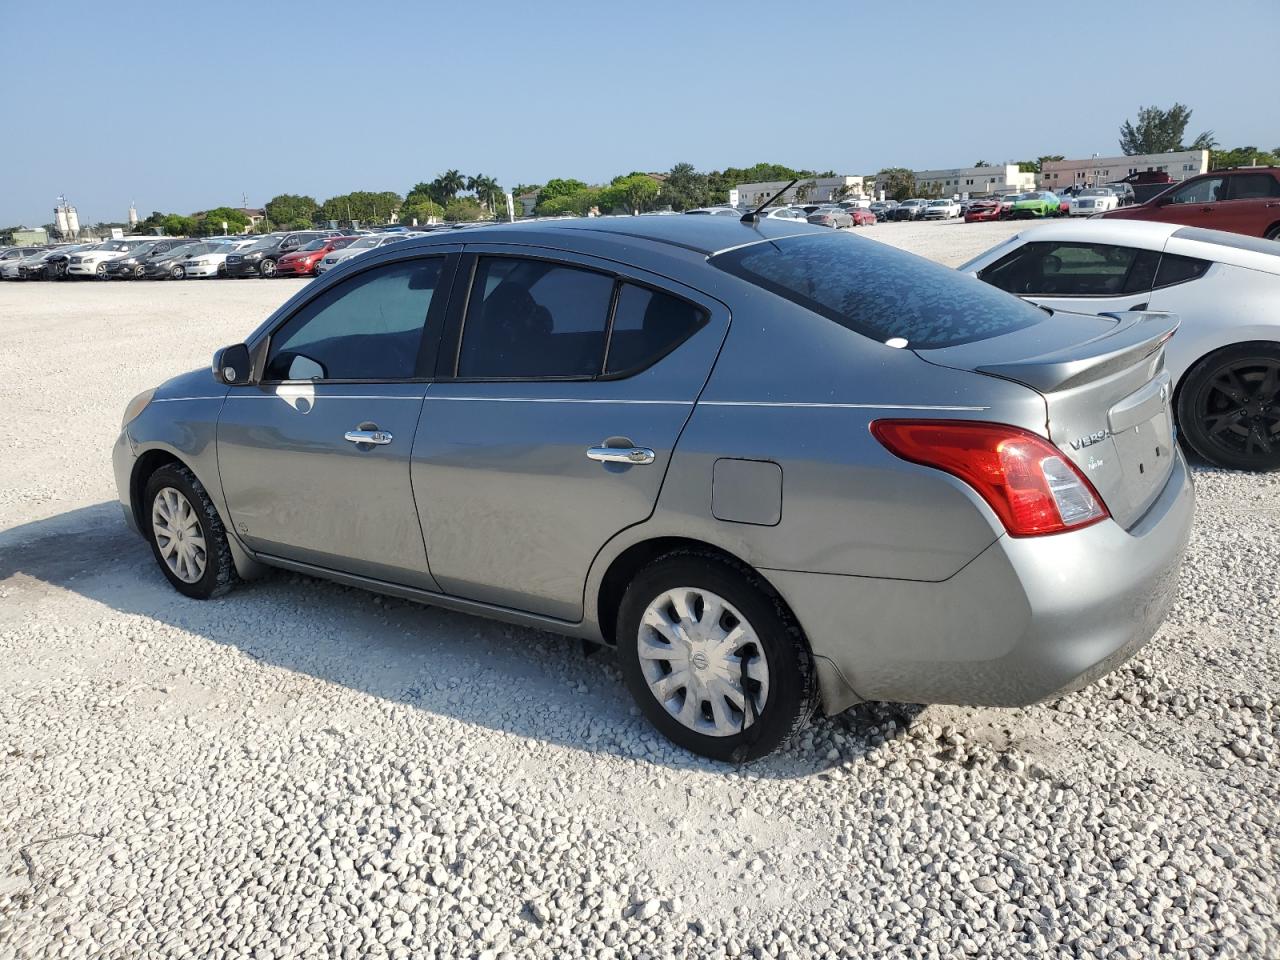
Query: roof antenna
[754, 215]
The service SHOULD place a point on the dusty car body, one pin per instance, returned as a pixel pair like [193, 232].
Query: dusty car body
[570, 425]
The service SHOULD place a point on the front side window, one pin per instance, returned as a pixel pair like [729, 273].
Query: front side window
[879, 291]
[368, 328]
[534, 319]
[1252, 186]
[648, 325]
[1073, 270]
[1208, 190]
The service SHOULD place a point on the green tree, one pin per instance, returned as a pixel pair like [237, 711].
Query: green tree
[449, 183]
[463, 209]
[898, 183]
[363, 205]
[486, 189]
[292, 211]
[210, 222]
[1159, 131]
[685, 188]
[421, 209]
[982, 163]
[176, 225]
[1243, 157]
[579, 202]
[559, 188]
[633, 193]
[522, 188]
[720, 182]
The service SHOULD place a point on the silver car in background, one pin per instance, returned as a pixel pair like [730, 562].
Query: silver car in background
[359, 246]
[780, 468]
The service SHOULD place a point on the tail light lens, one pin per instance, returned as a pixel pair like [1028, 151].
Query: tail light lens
[1032, 488]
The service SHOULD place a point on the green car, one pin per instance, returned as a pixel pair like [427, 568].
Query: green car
[1040, 204]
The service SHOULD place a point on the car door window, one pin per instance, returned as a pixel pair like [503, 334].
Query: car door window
[647, 325]
[1073, 270]
[1208, 190]
[1253, 186]
[534, 319]
[368, 328]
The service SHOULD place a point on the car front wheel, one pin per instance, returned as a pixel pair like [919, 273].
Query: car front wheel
[186, 534]
[267, 268]
[178, 272]
[1229, 407]
[713, 658]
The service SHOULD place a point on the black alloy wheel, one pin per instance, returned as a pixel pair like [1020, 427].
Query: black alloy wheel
[1229, 407]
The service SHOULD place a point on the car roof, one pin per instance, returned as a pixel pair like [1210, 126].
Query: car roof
[703, 235]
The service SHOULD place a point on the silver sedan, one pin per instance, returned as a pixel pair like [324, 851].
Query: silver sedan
[782, 469]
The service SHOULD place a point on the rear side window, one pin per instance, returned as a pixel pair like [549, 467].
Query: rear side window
[1073, 270]
[1176, 269]
[646, 326]
[879, 291]
[534, 318]
[1250, 186]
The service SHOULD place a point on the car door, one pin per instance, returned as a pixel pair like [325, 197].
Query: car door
[1077, 277]
[314, 457]
[565, 383]
[1194, 204]
[1252, 205]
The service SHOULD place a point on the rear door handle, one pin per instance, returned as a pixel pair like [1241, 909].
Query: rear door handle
[632, 455]
[378, 438]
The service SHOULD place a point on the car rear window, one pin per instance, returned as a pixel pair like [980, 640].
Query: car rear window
[879, 291]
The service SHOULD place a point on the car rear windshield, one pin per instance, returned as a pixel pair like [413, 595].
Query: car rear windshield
[879, 291]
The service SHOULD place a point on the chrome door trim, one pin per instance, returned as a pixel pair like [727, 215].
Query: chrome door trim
[632, 456]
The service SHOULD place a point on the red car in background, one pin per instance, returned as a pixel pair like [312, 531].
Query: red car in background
[1241, 200]
[862, 217]
[302, 263]
[982, 210]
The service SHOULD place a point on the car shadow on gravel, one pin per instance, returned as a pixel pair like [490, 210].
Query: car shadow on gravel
[519, 681]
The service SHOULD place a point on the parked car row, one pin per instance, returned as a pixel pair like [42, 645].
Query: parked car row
[839, 216]
[296, 253]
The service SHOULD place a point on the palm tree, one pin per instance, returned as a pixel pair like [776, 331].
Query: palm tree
[486, 190]
[450, 182]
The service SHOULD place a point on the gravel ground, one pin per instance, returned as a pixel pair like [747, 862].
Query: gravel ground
[302, 769]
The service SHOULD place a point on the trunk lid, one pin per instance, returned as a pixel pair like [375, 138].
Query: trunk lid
[1108, 397]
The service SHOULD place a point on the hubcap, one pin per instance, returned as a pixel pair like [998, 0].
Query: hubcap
[177, 532]
[693, 646]
[1240, 408]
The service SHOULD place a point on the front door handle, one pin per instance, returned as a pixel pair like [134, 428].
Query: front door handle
[632, 455]
[378, 438]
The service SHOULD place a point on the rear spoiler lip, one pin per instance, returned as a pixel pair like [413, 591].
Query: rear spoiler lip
[1137, 335]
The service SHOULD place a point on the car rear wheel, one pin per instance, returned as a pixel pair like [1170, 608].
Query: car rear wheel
[186, 534]
[267, 268]
[1229, 407]
[1274, 233]
[713, 658]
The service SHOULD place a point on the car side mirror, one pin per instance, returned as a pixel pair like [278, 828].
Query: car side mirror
[233, 365]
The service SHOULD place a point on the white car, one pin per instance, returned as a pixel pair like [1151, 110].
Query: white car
[214, 263]
[942, 210]
[1092, 200]
[93, 261]
[785, 213]
[1223, 365]
[359, 246]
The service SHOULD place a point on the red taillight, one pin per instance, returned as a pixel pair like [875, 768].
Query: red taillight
[1026, 480]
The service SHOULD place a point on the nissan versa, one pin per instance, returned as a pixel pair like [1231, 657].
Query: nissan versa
[779, 467]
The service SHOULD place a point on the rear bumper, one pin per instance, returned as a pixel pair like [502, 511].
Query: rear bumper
[1026, 620]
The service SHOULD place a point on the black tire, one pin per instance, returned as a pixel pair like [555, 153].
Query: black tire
[1229, 407]
[1273, 233]
[792, 695]
[267, 268]
[100, 271]
[178, 271]
[219, 571]
[222, 271]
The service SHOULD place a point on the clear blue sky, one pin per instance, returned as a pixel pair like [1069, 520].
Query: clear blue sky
[181, 107]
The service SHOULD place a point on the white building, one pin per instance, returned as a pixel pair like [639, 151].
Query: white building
[1089, 172]
[807, 190]
[975, 181]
